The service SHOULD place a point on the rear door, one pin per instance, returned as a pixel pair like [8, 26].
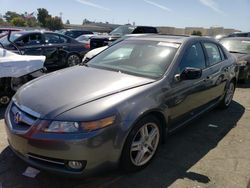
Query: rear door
[219, 68]
[55, 50]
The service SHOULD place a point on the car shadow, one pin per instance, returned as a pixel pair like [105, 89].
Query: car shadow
[2, 111]
[244, 85]
[181, 151]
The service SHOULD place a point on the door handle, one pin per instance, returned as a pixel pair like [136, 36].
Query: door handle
[207, 78]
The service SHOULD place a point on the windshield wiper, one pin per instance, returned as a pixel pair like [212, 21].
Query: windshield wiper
[237, 52]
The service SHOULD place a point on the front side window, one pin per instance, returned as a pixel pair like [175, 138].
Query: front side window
[29, 40]
[194, 58]
[141, 58]
[213, 53]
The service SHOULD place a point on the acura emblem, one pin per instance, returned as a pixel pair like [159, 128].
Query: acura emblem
[17, 117]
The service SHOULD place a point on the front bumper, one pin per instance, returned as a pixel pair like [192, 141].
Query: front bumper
[97, 151]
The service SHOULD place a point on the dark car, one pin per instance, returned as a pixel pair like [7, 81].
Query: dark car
[74, 33]
[240, 48]
[239, 34]
[117, 109]
[60, 50]
[119, 32]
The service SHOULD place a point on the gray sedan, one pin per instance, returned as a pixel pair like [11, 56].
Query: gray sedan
[117, 109]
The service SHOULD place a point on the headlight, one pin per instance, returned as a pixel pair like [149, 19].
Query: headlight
[62, 127]
[73, 127]
[242, 63]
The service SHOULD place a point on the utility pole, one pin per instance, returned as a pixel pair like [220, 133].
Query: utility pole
[61, 14]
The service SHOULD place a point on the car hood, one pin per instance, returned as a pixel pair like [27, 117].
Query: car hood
[240, 56]
[51, 95]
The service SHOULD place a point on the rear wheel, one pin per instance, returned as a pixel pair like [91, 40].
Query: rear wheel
[5, 98]
[141, 144]
[228, 98]
[73, 60]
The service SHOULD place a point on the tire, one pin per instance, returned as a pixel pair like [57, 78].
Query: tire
[145, 147]
[228, 98]
[5, 98]
[73, 59]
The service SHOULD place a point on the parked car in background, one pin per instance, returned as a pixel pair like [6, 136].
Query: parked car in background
[118, 108]
[240, 48]
[94, 52]
[239, 34]
[16, 70]
[119, 32]
[74, 33]
[5, 31]
[60, 51]
[85, 39]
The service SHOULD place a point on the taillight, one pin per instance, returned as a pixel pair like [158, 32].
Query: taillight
[87, 45]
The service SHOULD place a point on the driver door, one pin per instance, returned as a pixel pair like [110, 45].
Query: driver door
[188, 97]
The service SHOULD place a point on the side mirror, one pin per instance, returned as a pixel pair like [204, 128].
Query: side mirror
[190, 73]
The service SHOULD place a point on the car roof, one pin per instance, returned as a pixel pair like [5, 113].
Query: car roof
[168, 38]
[34, 31]
[237, 38]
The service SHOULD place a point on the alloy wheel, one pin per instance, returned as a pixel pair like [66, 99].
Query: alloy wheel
[144, 144]
[73, 60]
[229, 94]
[4, 100]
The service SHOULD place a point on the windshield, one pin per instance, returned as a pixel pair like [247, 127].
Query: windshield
[123, 30]
[13, 37]
[240, 46]
[141, 58]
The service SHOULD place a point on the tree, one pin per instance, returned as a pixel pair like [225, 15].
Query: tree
[67, 22]
[197, 33]
[42, 16]
[18, 21]
[1, 21]
[9, 16]
[54, 23]
[31, 22]
[86, 21]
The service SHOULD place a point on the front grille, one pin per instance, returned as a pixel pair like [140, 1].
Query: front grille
[20, 121]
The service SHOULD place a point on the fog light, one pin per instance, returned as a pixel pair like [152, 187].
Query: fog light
[76, 165]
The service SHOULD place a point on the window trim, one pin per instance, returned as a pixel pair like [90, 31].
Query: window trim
[206, 54]
[189, 46]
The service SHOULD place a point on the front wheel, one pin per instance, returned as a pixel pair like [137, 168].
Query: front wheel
[228, 98]
[141, 144]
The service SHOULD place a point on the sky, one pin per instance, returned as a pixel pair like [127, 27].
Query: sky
[175, 13]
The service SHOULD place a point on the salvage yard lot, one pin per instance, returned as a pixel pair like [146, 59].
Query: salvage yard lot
[212, 152]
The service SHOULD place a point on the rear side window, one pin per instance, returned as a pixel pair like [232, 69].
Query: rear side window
[194, 57]
[213, 53]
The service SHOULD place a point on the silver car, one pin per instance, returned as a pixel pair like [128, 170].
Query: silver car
[117, 109]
